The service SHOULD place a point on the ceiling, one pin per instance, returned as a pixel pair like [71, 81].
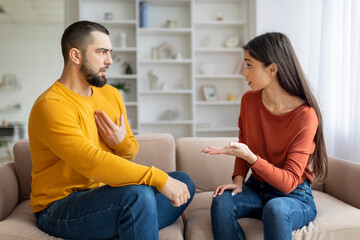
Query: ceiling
[32, 11]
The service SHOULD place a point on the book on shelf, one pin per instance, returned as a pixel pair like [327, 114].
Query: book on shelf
[239, 67]
[143, 14]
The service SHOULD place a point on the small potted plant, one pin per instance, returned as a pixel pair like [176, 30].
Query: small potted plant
[121, 86]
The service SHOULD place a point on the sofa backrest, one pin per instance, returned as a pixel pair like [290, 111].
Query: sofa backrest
[155, 150]
[208, 172]
[343, 181]
[23, 166]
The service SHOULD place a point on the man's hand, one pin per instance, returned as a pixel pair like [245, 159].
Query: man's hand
[108, 130]
[176, 191]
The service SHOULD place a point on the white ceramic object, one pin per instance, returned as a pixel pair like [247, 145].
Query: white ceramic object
[208, 68]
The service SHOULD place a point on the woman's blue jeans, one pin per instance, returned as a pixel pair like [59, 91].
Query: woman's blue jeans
[281, 213]
[128, 212]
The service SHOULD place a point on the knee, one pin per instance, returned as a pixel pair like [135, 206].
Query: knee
[275, 209]
[145, 194]
[222, 204]
[142, 196]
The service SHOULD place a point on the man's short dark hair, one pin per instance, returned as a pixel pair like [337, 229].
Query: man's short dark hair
[78, 35]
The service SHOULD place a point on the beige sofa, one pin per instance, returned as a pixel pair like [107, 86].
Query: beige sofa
[338, 200]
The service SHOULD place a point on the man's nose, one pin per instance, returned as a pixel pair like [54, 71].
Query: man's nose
[108, 60]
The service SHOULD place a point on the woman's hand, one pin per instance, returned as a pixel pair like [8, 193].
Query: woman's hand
[236, 187]
[239, 150]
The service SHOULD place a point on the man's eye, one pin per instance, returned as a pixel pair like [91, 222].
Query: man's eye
[249, 66]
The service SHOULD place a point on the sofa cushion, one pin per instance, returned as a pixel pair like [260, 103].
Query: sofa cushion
[22, 225]
[164, 159]
[156, 150]
[207, 172]
[335, 220]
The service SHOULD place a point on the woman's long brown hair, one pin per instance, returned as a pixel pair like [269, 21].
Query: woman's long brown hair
[276, 48]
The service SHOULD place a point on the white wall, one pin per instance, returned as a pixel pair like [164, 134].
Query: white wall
[33, 53]
[289, 17]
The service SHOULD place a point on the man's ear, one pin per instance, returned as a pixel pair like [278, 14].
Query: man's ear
[75, 56]
[273, 69]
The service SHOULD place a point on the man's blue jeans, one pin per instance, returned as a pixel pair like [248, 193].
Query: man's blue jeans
[281, 213]
[128, 212]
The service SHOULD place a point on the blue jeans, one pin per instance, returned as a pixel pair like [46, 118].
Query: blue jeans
[280, 213]
[128, 212]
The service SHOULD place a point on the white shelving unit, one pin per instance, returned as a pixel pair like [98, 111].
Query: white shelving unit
[175, 103]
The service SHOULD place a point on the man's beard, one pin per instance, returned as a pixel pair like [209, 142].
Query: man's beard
[93, 78]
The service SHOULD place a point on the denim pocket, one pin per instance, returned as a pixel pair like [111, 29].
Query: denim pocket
[303, 193]
[50, 210]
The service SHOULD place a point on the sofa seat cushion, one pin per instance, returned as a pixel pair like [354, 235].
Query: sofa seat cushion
[335, 220]
[21, 225]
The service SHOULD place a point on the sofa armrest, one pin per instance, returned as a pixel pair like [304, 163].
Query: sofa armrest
[9, 190]
[343, 183]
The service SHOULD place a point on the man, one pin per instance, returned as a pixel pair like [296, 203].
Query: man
[84, 183]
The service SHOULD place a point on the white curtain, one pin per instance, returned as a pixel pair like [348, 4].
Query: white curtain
[334, 72]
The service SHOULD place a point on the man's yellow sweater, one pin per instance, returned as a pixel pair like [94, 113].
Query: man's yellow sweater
[69, 155]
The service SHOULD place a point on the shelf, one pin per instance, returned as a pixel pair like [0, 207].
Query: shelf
[219, 23]
[220, 49]
[129, 49]
[135, 130]
[125, 22]
[156, 92]
[209, 103]
[10, 89]
[220, 76]
[122, 76]
[220, 129]
[179, 80]
[165, 30]
[9, 110]
[217, 1]
[169, 2]
[166, 61]
[130, 104]
[177, 122]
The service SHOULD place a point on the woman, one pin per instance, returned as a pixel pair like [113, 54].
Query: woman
[281, 134]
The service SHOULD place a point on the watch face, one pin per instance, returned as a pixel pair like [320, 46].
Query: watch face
[232, 41]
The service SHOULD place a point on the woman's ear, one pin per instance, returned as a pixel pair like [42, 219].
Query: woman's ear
[75, 56]
[273, 69]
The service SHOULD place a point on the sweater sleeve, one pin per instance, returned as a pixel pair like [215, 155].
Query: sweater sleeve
[287, 177]
[56, 125]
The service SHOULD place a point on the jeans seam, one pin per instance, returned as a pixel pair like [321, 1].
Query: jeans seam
[246, 205]
[94, 212]
[243, 205]
[72, 219]
[132, 218]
